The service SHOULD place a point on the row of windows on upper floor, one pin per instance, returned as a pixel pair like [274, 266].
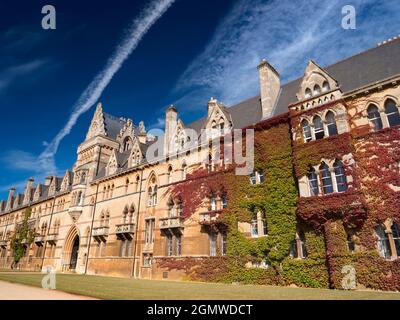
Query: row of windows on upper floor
[327, 180]
[390, 115]
[327, 127]
[319, 129]
[317, 90]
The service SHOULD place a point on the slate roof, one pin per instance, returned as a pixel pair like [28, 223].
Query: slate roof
[365, 68]
[113, 125]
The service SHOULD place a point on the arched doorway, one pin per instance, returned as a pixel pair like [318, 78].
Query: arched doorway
[74, 254]
[71, 250]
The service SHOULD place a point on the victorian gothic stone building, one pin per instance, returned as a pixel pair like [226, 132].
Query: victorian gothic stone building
[114, 214]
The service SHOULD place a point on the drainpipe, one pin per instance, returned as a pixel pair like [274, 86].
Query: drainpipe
[91, 228]
[93, 213]
[133, 274]
[45, 243]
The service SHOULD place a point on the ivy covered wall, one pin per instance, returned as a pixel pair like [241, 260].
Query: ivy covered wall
[329, 222]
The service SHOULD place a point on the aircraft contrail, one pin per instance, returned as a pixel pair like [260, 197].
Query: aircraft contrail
[90, 96]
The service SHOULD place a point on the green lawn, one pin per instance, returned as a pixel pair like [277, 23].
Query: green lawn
[121, 288]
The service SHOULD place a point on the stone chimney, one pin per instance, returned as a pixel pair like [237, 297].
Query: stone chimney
[142, 135]
[171, 120]
[10, 199]
[270, 86]
[28, 188]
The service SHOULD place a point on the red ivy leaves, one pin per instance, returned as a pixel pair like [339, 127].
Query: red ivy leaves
[311, 153]
[316, 211]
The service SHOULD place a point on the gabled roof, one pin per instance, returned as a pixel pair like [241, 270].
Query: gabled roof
[355, 72]
[242, 114]
[360, 70]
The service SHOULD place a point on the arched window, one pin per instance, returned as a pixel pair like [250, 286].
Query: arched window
[308, 93]
[132, 214]
[137, 183]
[127, 144]
[341, 180]
[170, 174]
[313, 182]
[331, 123]
[79, 198]
[326, 178]
[318, 128]
[298, 248]
[184, 171]
[382, 242]
[179, 207]
[264, 224]
[254, 225]
[112, 191]
[125, 215]
[150, 197]
[375, 117]
[155, 200]
[102, 219]
[224, 201]
[317, 90]
[126, 185]
[221, 126]
[392, 113]
[210, 164]
[214, 129]
[325, 86]
[396, 238]
[107, 220]
[306, 131]
[213, 203]
[171, 208]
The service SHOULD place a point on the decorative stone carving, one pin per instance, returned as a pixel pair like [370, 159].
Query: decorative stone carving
[97, 125]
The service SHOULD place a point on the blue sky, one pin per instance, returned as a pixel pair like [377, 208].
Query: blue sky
[194, 50]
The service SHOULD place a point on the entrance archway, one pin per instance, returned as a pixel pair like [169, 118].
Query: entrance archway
[71, 250]
[74, 254]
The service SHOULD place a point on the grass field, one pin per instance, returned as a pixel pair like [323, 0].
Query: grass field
[121, 288]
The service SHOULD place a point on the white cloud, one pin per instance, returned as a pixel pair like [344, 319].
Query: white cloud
[90, 96]
[26, 161]
[11, 74]
[159, 124]
[44, 164]
[287, 33]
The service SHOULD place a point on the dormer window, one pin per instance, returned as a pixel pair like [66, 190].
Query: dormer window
[325, 86]
[127, 144]
[317, 90]
[308, 93]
